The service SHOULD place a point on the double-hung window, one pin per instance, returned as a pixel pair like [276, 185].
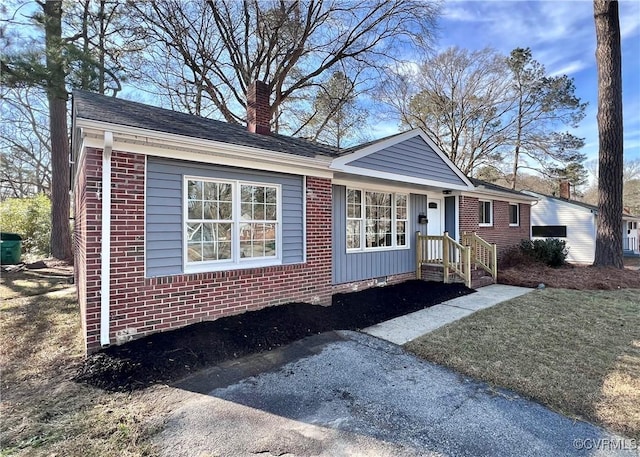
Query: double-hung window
[231, 224]
[485, 217]
[514, 214]
[376, 220]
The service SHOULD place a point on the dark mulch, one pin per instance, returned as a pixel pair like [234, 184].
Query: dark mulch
[169, 356]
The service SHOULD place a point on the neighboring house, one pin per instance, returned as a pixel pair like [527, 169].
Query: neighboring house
[207, 219]
[576, 223]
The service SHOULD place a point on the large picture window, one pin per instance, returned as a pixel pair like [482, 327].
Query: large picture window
[231, 222]
[376, 220]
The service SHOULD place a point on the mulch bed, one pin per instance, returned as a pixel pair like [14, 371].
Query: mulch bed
[570, 277]
[169, 356]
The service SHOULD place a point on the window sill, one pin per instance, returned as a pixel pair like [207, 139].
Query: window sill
[215, 267]
[383, 249]
[514, 225]
[486, 225]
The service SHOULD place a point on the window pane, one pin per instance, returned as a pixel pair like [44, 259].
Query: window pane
[271, 195]
[194, 209]
[258, 212]
[210, 191]
[246, 211]
[210, 210]
[401, 239]
[194, 232]
[353, 234]
[271, 213]
[225, 211]
[209, 251]
[194, 190]
[513, 214]
[354, 196]
[224, 192]
[194, 252]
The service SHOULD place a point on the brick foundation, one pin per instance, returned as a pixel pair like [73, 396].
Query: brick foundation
[366, 284]
[139, 305]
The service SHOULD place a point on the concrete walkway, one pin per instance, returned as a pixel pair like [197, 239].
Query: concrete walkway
[411, 326]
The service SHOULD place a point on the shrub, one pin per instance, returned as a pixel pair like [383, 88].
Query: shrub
[30, 217]
[551, 251]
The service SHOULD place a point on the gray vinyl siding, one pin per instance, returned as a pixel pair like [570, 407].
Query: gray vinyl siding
[358, 266]
[164, 222]
[412, 157]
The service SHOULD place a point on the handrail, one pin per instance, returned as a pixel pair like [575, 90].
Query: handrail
[483, 254]
[442, 249]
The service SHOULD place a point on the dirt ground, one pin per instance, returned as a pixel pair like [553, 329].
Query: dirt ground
[168, 356]
[531, 274]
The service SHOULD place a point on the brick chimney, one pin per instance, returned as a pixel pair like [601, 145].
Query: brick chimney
[258, 108]
[565, 190]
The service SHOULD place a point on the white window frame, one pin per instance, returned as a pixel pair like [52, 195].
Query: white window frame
[517, 223]
[236, 262]
[490, 223]
[362, 219]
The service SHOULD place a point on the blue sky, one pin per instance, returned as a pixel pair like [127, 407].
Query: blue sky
[561, 35]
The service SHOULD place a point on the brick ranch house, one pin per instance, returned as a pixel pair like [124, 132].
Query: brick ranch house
[206, 219]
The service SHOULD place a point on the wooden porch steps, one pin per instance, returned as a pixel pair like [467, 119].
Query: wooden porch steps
[435, 272]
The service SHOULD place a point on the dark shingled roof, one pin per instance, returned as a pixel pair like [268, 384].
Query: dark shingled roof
[88, 105]
[491, 186]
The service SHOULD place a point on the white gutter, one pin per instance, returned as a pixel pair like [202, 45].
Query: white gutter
[105, 252]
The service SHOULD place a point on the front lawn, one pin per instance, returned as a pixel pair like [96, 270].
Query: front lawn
[575, 351]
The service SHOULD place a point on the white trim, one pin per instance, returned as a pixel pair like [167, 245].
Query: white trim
[483, 194]
[457, 213]
[144, 220]
[517, 205]
[304, 218]
[487, 224]
[105, 249]
[363, 231]
[341, 163]
[236, 262]
[143, 141]
[383, 186]
[396, 177]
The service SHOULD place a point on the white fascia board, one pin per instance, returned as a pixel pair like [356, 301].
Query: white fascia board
[359, 182]
[487, 194]
[342, 162]
[357, 171]
[141, 141]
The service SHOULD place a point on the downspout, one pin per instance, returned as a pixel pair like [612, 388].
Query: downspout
[105, 252]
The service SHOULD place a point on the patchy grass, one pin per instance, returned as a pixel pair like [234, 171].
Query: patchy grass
[575, 351]
[44, 412]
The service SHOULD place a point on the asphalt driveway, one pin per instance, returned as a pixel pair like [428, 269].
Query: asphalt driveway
[346, 393]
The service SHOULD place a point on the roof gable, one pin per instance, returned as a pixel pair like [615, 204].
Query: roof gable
[409, 157]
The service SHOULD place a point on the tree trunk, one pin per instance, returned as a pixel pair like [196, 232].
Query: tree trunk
[608, 58]
[57, 96]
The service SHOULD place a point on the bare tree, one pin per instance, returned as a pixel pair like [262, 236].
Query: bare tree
[25, 153]
[610, 134]
[219, 47]
[459, 98]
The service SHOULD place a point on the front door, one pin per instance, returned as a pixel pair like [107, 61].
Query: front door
[434, 227]
[434, 217]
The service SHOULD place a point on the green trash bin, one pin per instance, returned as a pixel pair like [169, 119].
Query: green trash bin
[10, 248]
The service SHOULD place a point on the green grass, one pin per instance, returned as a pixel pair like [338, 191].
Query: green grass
[575, 351]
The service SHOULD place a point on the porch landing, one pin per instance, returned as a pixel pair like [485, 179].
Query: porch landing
[411, 326]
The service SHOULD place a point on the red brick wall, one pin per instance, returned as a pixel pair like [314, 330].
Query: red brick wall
[500, 233]
[142, 305]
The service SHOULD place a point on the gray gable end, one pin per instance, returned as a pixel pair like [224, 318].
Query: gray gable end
[412, 157]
